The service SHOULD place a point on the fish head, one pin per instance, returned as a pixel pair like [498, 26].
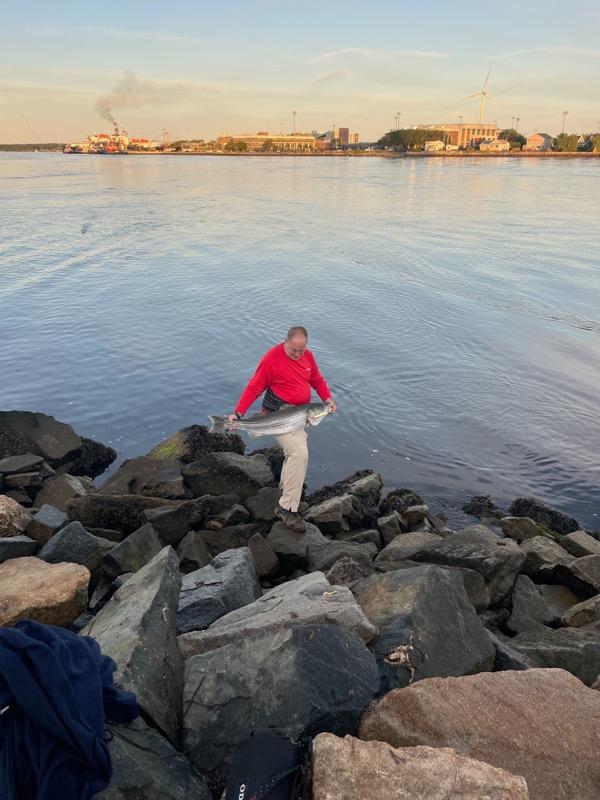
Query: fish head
[316, 415]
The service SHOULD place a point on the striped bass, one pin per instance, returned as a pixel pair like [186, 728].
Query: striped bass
[286, 420]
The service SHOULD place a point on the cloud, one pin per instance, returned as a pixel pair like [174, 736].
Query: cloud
[565, 49]
[333, 75]
[364, 52]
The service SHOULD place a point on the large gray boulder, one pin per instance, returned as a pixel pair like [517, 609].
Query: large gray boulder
[426, 625]
[555, 520]
[542, 556]
[291, 548]
[303, 679]
[576, 650]
[580, 543]
[309, 600]
[521, 528]
[391, 525]
[228, 582]
[498, 560]
[529, 609]
[59, 490]
[220, 473]
[174, 521]
[336, 514]
[73, 544]
[364, 484]
[321, 557]
[45, 523]
[13, 465]
[137, 629]
[17, 547]
[193, 553]
[263, 504]
[265, 560]
[191, 443]
[582, 575]
[405, 547]
[132, 553]
[346, 571]
[148, 476]
[146, 767]
[585, 614]
[218, 540]
[116, 512]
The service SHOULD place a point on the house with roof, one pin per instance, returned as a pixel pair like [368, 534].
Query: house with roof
[539, 142]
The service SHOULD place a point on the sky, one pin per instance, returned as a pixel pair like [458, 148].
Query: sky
[199, 69]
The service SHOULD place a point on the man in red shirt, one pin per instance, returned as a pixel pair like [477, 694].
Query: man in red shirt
[287, 373]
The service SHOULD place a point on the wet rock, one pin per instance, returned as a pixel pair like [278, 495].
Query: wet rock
[398, 500]
[303, 679]
[362, 537]
[414, 515]
[275, 456]
[321, 557]
[26, 433]
[137, 629]
[119, 512]
[148, 476]
[132, 553]
[521, 528]
[17, 547]
[426, 625]
[91, 459]
[193, 553]
[582, 575]
[504, 719]
[307, 600]
[291, 548]
[195, 441]
[583, 614]
[576, 650]
[73, 544]
[580, 543]
[364, 484]
[390, 526]
[529, 609]
[227, 583]
[346, 571]
[555, 520]
[336, 514]
[542, 556]
[405, 547]
[14, 519]
[59, 490]
[219, 473]
[229, 538]
[481, 506]
[174, 521]
[24, 463]
[350, 768]
[264, 503]
[265, 560]
[55, 594]
[45, 523]
[146, 767]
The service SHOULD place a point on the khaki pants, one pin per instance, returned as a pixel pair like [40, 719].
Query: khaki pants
[294, 467]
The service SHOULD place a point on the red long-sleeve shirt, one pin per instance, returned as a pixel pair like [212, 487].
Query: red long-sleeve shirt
[290, 379]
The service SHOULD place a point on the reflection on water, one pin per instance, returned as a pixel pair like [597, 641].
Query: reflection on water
[453, 305]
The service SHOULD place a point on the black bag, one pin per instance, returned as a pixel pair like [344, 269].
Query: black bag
[269, 767]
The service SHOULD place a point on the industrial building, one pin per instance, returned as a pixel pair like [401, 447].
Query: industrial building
[263, 140]
[468, 134]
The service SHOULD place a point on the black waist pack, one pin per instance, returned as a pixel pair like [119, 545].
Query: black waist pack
[269, 767]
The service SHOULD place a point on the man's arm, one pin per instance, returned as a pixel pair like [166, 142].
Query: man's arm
[256, 386]
[319, 384]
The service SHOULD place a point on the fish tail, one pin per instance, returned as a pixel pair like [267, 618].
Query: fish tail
[217, 424]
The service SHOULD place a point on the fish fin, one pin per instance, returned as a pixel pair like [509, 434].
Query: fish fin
[217, 423]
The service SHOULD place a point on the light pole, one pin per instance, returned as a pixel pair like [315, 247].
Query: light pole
[512, 122]
[293, 122]
[397, 118]
[564, 116]
[517, 120]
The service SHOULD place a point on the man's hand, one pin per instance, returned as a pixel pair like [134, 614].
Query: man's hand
[232, 420]
[232, 417]
[332, 405]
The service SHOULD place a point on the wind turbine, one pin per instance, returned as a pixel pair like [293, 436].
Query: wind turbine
[482, 94]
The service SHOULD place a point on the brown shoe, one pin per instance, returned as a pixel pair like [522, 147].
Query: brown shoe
[291, 519]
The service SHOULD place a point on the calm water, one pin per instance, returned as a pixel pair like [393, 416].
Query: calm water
[454, 307]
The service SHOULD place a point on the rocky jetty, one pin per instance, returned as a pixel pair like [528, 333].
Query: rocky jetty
[443, 663]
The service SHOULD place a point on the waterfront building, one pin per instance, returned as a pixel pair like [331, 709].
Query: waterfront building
[262, 140]
[468, 134]
[344, 136]
[354, 138]
[495, 146]
[539, 142]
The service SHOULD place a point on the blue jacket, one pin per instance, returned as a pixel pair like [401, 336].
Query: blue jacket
[57, 690]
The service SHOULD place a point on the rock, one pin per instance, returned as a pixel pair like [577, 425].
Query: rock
[391, 526]
[74, 545]
[321, 557]
[542, 555]
[146, 767]
[119, 512]
[580, 543]
[195, 441]
[398, 500]
[362, 537]
[174, 521]
[45, 523]
[426, 625]
[583, 614]
[219, 473]
[504, 719]
[506, 656]
[582, 575]
[137, 629]
[275, 457]
[529, 609]
[14, 519]
[105, 590]
[350, 768]
[555, 520]
[336, 514]
[521, 528]
[494, 618]
[576, 650]
[25, 463]
[498, 560]
[90, 460]
[19, 496]
[264, 503]
[404, 547]
[481, 506]
[54, 594]
[30, 481]
[59, 490]
[265, 560]
[236, 515]
[230, 538]
[364, 484]
[558, 598]
[132, 553]
[148, 476]
[193, 553]
[298, 680]
[291, 547]
[17, 547]
[415, 514]
[346, 571]
[308, 600]
[227, 583]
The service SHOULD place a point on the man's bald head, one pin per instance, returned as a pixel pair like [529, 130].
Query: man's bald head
[296, 341]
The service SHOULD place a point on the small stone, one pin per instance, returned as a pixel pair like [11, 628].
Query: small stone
[46, 523]
[24, 463]
[17, 547]
[14, 519]
[193, 552]
[265, 560]
[580, 543]
[59, 490]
